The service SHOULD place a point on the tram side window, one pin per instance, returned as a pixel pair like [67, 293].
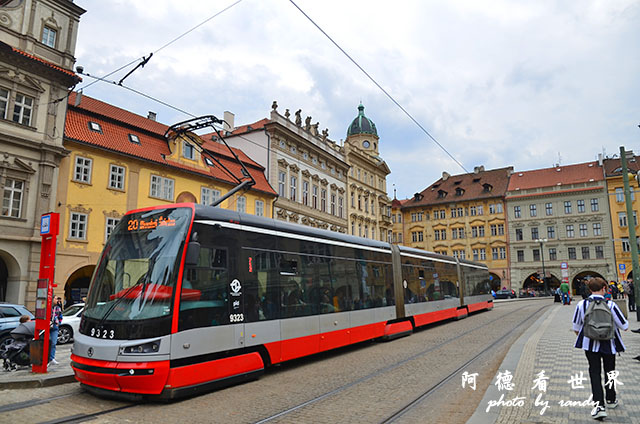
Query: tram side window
[262, 289]
[347, 293]
[374, 280]
[444, 285]
[476, 281]
[417, 283]
[204, 299]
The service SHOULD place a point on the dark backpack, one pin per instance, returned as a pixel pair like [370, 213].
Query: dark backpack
[598, 321]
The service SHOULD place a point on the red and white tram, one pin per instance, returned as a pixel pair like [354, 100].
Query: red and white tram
[188, 297]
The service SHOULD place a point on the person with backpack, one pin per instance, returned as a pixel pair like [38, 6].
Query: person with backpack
[56, 319]
[597, 323]
[564, 291]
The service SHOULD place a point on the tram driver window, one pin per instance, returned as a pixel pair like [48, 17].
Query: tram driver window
[204, 296]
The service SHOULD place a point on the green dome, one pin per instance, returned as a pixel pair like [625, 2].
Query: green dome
[362, 124]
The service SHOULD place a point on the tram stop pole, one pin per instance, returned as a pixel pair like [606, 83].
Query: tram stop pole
[39, 348]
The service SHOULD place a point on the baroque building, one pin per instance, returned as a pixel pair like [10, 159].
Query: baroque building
[119, 161]
[559, 226]
[369, 207]
[306, 168]
[37, 48]
[618, 209]
[461, 216]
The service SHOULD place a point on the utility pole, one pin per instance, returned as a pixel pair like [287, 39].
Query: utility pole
[632, 227]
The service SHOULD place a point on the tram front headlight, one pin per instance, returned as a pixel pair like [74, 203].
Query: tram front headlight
[149, 347]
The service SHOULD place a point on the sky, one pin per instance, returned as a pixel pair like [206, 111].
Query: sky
[500, 83]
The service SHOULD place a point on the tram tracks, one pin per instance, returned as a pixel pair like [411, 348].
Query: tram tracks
[404, 361]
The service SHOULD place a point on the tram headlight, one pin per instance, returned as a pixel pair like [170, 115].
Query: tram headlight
[150, 347]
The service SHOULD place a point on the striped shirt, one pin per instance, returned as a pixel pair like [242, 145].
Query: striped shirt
[603, 346]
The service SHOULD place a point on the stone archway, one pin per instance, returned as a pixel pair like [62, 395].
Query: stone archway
[10, 286]
[77, 286]
[495, 281]
[583, 277]
[4, 280]
[534, 283]
[186, 197]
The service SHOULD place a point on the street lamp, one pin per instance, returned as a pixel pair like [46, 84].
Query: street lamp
[544, 274]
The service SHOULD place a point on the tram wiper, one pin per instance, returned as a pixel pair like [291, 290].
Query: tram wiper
[118, 300]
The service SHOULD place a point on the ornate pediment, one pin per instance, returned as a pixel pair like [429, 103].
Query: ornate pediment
[333, 186]
[306, 173]
[341, 190]
[294, 168]
[324, 182]
[283, 163]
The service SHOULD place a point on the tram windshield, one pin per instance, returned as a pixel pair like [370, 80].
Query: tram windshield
[136, 275]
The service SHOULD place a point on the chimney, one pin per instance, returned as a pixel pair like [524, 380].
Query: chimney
[445, 175]
[478, 169]
[228, 124]
[600, 159]
[152, 115]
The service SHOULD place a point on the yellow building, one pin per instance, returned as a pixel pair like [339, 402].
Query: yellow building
[119, 161]
[618, 211]
[461, 216]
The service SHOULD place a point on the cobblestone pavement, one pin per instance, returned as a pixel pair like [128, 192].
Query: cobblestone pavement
[56, 374]
[407, 371]
[548, 346]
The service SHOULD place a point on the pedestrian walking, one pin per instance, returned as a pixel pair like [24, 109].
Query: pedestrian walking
[631, 294]
[564, 288]
[56, 319]
[597, 323]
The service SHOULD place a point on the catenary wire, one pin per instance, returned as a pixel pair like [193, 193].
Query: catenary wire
[167, 44]
[380, 87]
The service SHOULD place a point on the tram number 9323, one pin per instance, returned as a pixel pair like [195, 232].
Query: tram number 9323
[236, 317]
[102, 334]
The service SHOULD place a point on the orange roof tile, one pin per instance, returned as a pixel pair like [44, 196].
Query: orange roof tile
[463, 187]
[117, 124]
[558, 175]
[613, 167]
[46, 62]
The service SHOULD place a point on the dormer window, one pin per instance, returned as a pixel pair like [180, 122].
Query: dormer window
[476, 180]
[134, 138]
[188, 151]
[208, 161]
[442, 194]
[487, 187]
[457, 182]
[417, 197]
[95, 127]
[459, 191]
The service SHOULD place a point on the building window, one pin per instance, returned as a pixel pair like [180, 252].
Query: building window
[4, 103]
[572, 253]
[241, 205]
[503, 253]
[188, 151]
[116, 177]
[476, 254]
[353, 201]
[109, 226]
[520, 254]
[580, 206]
[78, 226]
[619, 195]
[417, 236]
[622, 219]
[82, 170]
[494, 253]
[366, 205]
[483, 254]
[500, 229]
[549, 208]
[454, 234]
[323, 200]
[570, 233]
[353, 228]
[597, 229]
[340, 208]
[293, 187]
[161, 188]
[305, 193]
[534, 233]
[208, 196]
[594, 205]
[22, 109]
[282, 180]
[583, 230]
[585, 252]
[516, 212]
[536, 254]
[567, 207]
[373, 209]
[519, 234]
[12, 198]
[49, 37]
[333, 205]
[553, 254]
[626, 247]
[599, 252]
[461, 233]
[259, 208]
[314, 197]
[533, 210]
[494, 229]
[551, 232]
[135, 139]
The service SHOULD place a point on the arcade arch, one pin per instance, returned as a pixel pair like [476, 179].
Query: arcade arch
[9, 278]
[583, 276]
[535, 283]
[77, 285]
[495, 281]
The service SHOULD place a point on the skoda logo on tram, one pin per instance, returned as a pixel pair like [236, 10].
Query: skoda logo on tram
[236, 286]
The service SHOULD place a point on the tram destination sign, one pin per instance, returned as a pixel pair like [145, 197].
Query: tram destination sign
[137, 224]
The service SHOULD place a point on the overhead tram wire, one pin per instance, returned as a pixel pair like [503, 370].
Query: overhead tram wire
[380, 87]
[164, 46]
